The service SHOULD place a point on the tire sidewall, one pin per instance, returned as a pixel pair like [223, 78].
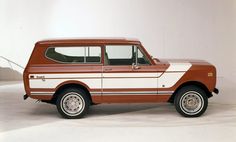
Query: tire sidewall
[80, 93]
[183, 91]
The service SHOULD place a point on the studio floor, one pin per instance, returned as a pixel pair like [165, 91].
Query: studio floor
[35, 121]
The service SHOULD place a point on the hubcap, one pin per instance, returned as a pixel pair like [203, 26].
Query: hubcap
[72, 104]
[191, 103]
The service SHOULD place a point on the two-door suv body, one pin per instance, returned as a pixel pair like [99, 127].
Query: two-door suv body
[76, 73]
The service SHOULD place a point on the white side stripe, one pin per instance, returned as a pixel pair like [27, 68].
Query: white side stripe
[95, 75]
[173, 74]
[67, 75]
[122, 80]
[113, 83]
[176, 67]
[53, 83]
[129, 75]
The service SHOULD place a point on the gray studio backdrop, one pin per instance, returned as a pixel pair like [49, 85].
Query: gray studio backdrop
[199, 29]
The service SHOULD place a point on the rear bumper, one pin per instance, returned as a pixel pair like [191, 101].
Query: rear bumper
[216, 91]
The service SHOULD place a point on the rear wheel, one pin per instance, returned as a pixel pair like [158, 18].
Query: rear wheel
[191, 101]
[72, 103]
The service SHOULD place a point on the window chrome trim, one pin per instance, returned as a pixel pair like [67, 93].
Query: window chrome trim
[136, 55]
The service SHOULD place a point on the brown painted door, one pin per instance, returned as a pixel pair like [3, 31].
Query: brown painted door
[127, 76]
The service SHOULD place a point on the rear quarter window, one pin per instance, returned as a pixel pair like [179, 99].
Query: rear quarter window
[74, 55]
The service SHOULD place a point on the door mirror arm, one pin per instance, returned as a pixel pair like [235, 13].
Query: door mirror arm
[135, 66]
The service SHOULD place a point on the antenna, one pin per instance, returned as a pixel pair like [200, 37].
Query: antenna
[12, 63]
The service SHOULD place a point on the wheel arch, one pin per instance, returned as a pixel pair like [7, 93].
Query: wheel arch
[71, 84]
[195, 83]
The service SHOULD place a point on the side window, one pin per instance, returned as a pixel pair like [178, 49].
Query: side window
[124, 55]
[74, 54]
[119, 55]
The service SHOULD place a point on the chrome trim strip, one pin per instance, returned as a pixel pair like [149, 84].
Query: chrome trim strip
[165, 92]
[121, 93]
[132, 93]
[110, 94]
[114, 93]
[157, 92]
[42, 93]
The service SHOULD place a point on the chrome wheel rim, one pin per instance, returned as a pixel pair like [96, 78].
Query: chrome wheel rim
[72, 104]
[191, 103]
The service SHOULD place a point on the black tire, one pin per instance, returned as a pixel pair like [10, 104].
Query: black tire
[191, 101]
[73, 103]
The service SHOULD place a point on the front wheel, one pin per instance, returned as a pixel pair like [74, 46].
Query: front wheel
[191, 101]
[72, 103]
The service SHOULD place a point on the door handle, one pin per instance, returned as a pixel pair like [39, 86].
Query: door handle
[108, 69]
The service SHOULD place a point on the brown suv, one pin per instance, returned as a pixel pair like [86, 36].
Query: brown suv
[76, 73]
